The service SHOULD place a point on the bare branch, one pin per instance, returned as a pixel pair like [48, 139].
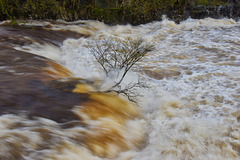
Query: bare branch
[120, 55]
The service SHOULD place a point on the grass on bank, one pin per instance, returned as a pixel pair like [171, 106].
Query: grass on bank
[108, 11]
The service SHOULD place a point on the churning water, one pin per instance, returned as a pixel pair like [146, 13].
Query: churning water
[191, 110]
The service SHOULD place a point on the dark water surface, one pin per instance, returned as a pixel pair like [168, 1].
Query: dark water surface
[25, 88]
[47, 113]
[190, 109]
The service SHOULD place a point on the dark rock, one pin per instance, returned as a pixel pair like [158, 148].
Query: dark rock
[120, 11]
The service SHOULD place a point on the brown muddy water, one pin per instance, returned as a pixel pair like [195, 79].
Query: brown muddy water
[52, 106]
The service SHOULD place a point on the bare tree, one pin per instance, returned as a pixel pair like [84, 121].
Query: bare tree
[114, 54]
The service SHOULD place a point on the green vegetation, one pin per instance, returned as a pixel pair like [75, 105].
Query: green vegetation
[212, 2]
[108, 11]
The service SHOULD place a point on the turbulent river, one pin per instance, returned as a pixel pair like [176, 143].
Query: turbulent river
[189, 111]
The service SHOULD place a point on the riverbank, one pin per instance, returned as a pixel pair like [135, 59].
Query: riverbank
[118, 11]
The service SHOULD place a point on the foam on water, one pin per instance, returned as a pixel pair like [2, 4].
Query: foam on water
[45, 50]
[191, 110]
[81, 26]
[189, 115]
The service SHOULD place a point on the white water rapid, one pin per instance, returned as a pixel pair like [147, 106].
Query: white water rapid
[191, 110]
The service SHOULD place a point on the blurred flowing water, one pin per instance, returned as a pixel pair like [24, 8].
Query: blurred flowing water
[191, 110]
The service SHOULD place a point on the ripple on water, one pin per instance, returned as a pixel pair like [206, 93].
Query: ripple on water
[191, 110]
